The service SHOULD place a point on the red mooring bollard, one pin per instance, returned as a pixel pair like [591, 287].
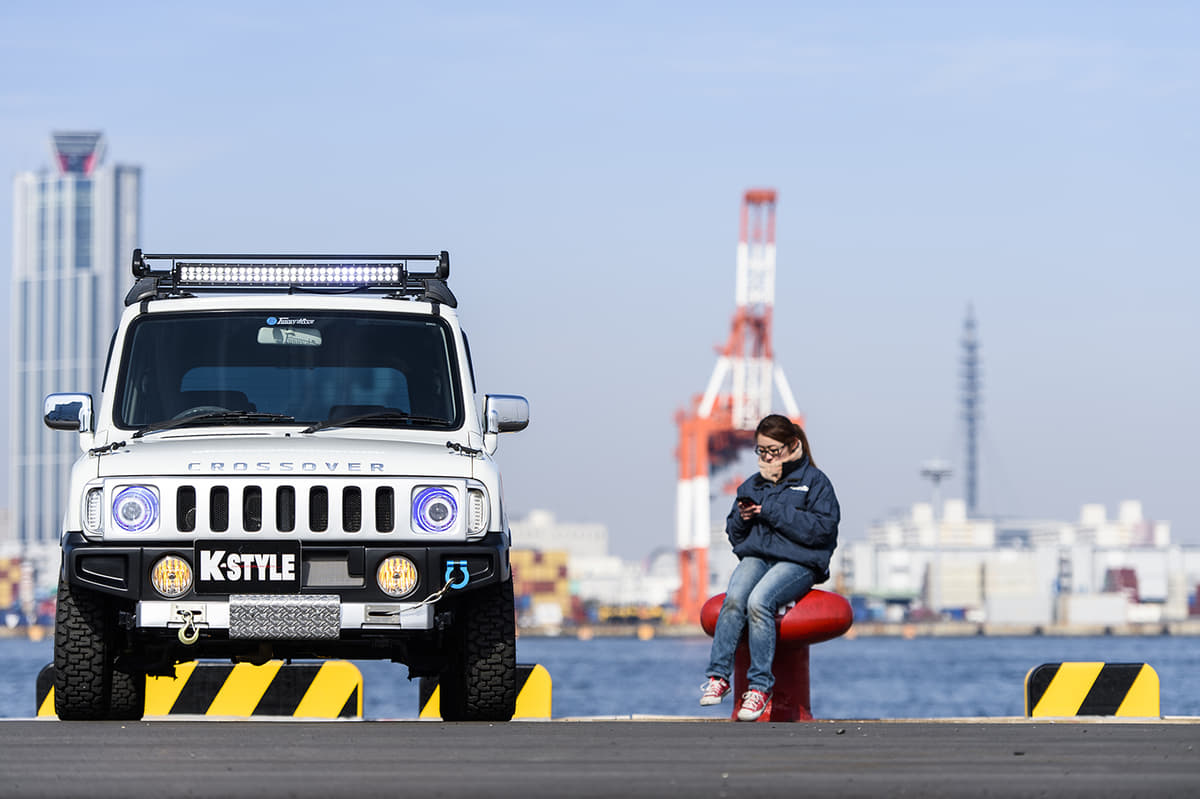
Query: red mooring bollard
[818, 616]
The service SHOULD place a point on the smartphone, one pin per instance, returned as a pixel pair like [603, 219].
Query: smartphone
[745, 501]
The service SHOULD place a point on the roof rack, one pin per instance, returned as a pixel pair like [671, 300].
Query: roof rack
[187, 273]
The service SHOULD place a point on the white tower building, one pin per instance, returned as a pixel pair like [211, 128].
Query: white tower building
[74, 229]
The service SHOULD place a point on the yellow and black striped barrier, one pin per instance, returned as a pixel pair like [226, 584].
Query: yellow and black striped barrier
[1091, 689]
[328, 690]
[534, 694]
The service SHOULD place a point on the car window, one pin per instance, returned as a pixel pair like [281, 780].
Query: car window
[312, 367]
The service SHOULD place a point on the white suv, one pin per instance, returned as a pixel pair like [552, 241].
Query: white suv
[289, 460]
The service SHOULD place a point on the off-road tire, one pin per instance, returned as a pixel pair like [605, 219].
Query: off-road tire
[86, 686]
[480, 681]
[127, 698]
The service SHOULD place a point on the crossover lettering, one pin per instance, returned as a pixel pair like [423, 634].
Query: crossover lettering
[283, 466]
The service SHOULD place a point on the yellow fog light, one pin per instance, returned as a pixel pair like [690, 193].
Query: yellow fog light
[171, 577]
[397, 576]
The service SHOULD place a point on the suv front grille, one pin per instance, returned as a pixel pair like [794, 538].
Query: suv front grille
[290, 509]
[305, 507]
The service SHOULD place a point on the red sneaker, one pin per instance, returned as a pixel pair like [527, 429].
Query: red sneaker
[713, 691]
[754, 702]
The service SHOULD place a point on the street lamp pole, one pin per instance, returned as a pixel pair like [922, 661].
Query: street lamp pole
[936, 471]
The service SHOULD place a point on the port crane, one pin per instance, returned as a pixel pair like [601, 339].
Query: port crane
[719, 424]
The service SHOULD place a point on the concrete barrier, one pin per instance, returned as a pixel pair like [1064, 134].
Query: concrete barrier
[1092, 689]
[330, 689]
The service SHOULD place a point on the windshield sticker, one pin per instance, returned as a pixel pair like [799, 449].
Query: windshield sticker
[288, 320]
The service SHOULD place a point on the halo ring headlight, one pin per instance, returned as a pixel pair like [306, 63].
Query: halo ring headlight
[135, 509]
[434, 509]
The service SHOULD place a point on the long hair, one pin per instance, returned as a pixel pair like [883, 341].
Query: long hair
[782, 429]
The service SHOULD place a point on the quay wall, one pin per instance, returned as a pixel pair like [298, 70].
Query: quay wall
[935, 629]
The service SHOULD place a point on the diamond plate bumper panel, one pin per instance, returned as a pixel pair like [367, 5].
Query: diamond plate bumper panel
[310, 616]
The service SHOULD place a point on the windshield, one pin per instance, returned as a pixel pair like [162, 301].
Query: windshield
[383, 370]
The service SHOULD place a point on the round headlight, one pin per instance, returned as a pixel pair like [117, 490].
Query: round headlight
[397, 576]
[434, 510]
[171, 576]
[135, 509]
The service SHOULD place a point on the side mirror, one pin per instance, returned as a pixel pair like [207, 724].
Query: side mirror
[505, 413]
[68, 412]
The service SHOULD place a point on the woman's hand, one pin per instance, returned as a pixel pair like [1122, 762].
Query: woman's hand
[748, 510]
[771, 470]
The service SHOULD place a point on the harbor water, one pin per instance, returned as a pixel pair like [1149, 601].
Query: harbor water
[860, 678]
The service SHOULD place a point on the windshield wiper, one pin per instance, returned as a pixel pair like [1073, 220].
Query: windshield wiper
[213, 416]
[374, 416]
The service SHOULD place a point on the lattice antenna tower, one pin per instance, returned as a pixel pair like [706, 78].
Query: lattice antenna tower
[972, 400]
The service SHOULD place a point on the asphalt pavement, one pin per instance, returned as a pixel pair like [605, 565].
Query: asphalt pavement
[599, 758]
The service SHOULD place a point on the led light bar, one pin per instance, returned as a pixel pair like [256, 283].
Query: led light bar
[325, 275]
[281, 270]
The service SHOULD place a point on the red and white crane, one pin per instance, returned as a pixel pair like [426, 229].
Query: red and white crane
[719, 424]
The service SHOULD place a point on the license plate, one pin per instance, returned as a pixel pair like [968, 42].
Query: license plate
[248, 567]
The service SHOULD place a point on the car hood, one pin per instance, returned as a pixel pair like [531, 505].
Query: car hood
[282, 455]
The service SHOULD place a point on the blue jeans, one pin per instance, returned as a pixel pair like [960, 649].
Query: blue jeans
[757, 589]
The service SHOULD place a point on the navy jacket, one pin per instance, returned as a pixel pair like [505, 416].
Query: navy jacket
[798, 521]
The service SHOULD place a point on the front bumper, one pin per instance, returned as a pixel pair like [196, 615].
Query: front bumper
[338, 588]
[279, 617]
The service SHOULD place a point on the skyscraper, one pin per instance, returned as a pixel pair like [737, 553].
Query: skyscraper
[74, 229]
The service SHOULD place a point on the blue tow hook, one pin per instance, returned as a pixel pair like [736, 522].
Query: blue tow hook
[461, 565]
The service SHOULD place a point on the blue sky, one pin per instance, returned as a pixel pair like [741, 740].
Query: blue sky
[584, 164]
